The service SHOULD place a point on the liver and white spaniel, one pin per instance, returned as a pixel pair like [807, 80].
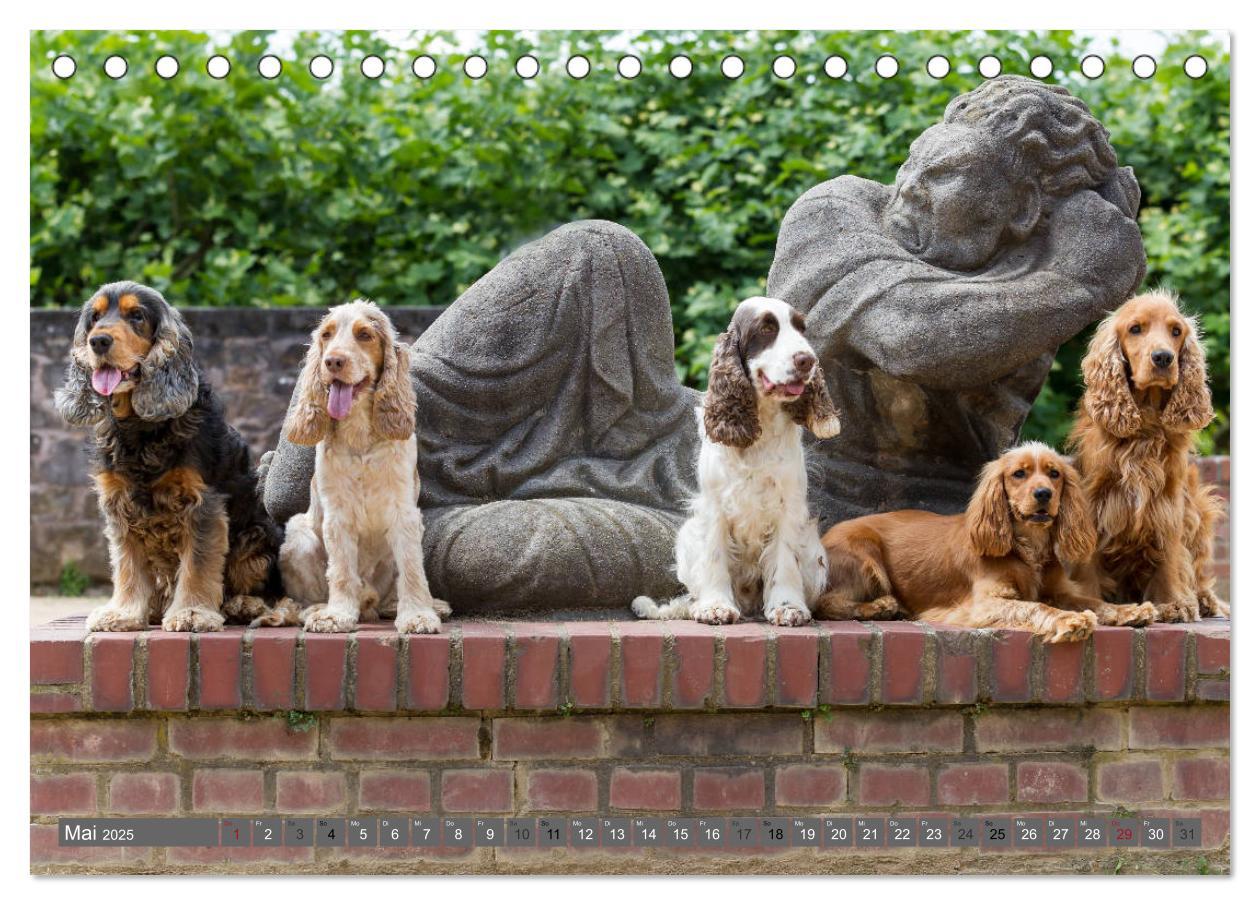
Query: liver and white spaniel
[750, 541]
[362, 535]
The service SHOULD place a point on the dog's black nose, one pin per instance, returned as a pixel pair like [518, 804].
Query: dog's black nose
[1043, 494]
[1162, 358]
[804, 362]
[334, 362]
[100, 343]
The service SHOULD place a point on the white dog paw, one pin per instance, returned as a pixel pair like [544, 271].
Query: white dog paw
[424, 622]
[715, 613]
[114, 618]
[192, 619]
[323, 619]
[788, 614]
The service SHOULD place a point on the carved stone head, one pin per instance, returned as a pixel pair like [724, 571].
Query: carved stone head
[998, 161]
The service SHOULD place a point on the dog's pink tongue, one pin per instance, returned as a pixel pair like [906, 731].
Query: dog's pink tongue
[340, 397]
[105, 379]
[794, 389]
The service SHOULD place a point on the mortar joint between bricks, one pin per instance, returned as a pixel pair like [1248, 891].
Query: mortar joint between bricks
[877, 663]
[401, 664]
[564, 696]
[983, 648]
[1037, 670]
[509, 669]
[669, 667]
[299, 668]
[350, 672]
[930, 665]
[193, 691]
[719, 671]
[614, 666]
[455, 672]
[247, 668]
[139, 672]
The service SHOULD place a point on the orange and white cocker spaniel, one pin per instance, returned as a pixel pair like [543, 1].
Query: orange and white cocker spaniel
[358, 549]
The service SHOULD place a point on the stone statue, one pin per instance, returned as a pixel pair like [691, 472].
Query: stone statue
[937, 303]
[557, 447]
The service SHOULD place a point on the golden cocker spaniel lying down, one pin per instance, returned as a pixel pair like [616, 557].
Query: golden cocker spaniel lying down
[994, 566]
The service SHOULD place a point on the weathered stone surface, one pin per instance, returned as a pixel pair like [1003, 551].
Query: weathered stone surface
[937, 303]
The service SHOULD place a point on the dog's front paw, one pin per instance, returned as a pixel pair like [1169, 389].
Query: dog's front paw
[114, 618]
[192, 619]
[788, 614]
[423, 622]
[1211, 605]
[442, 608]
[243, 608]
[1178, 611]
[714, 612]
[885, 607]
[1072, 627]
[1133, 614]
[325, 619]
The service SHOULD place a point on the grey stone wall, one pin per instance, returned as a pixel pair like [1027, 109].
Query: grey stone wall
[251, 356]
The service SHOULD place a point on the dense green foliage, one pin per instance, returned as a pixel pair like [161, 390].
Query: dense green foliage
[294, 191]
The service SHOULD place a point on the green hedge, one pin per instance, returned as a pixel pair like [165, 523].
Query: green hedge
[294, 191]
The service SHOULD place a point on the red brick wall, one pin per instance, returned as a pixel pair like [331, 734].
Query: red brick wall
[653, 719]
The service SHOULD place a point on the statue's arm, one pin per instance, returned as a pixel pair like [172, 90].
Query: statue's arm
[919, 323]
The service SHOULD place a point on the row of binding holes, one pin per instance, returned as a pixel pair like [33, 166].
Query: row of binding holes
[628, 67]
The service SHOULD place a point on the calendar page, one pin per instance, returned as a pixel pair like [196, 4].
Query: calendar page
[630, 452]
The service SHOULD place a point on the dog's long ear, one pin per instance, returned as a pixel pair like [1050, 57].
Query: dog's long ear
[307, 421]
[730, 404]
[76, 401]
[394, 404]
[1108, 399]
[814, 409]
[1075, 536]
[1190, 405]
[168, 374]
[988, 516]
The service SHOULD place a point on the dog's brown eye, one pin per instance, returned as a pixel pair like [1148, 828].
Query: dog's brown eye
[1135, 329]
[363, 336]
[1054, 474]
[325, 334]
[1176, 331]
[1019, 474]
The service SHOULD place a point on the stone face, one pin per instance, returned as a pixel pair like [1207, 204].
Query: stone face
[937, 303]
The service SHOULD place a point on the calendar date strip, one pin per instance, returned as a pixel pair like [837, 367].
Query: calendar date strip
[694, 833]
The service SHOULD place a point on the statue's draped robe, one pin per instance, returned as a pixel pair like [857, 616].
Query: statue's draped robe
[557, 447]
[934, 371]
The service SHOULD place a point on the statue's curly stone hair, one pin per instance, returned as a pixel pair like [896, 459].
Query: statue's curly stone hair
[1056, 140]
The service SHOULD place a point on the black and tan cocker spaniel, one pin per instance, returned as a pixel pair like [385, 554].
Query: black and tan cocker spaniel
[176, 488]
